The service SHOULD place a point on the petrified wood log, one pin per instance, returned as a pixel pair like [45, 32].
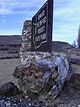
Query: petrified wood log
[43, 74]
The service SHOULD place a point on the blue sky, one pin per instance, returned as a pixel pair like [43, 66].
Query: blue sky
[66, 18]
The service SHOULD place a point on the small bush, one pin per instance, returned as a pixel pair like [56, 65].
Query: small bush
[78, 37]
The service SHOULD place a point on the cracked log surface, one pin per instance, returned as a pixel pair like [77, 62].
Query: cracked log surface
[42, 75]
[73, 56]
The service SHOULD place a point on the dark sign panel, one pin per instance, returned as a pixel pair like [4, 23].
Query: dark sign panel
[42, 28]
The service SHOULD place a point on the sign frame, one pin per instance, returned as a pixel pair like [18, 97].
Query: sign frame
[42, 23]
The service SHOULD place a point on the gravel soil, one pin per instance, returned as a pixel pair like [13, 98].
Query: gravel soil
[70, 94]
[68, 97]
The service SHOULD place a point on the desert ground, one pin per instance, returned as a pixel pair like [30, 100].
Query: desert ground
[7, 67]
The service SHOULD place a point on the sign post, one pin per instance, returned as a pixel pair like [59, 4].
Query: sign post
[42, 28]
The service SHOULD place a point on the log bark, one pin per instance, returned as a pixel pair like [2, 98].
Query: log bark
[42, 75]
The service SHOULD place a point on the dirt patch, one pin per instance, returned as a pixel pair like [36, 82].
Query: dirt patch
[70, 94]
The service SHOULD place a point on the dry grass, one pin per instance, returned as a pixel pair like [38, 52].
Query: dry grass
[79, 37]
[7, 67]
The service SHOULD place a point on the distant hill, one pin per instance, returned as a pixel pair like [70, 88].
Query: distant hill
[10, 39]
[10, 46]
[58, 46]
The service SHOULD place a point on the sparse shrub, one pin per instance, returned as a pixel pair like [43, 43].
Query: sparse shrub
[74, 44]
[78, 37]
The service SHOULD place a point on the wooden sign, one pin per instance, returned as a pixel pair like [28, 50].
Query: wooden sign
[42, 28]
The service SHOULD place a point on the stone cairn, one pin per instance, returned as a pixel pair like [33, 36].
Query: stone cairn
[26, 36]
[42, 74]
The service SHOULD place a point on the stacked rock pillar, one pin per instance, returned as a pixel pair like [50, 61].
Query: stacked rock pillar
[26, 35]
[26, 38]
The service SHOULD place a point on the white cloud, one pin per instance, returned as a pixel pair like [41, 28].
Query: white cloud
[66, 16]
[10, 32]
[66, 19]
[4, 11]
[17, 11]
[20, 6]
